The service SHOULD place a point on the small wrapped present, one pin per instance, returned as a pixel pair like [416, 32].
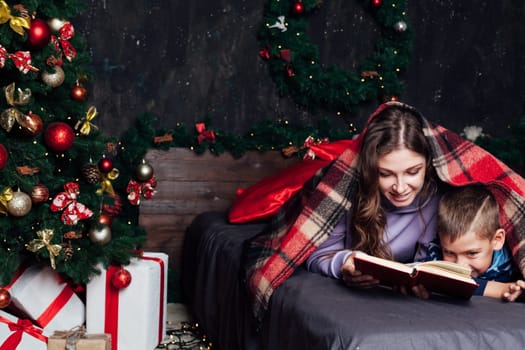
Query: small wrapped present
[39, 293]
[77, 339]
[20, 334]
[135, 315]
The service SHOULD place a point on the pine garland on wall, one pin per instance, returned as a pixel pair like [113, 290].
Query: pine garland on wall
[294, 63]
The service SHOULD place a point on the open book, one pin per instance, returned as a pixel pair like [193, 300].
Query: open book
[442, 277]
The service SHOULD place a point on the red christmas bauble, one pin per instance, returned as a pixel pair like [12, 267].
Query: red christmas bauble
[121, 279]
[298, 7]
[78, 93]
[39, 193]
[5, 298]
[104, 219]
[39, 33]
[31, 124]
[3, 156]
[377, 3]
[59, 136]
[105, 165]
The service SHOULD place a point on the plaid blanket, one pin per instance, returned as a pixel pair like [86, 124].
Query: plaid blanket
[306, 220]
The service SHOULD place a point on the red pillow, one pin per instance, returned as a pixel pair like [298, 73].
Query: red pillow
[262, 200]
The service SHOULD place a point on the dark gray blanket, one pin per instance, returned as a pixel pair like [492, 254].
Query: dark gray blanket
[310, 311]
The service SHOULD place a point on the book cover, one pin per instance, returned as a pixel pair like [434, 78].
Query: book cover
[442, 277]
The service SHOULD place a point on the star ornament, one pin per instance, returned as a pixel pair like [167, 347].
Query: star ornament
[44, 241]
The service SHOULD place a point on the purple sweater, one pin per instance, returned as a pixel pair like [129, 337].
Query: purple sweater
[408, 232]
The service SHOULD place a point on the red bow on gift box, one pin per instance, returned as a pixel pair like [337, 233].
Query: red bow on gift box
[67, 200]
[66, 32]
[19, 328]
[135, 189]
[21, 59]
[204, 135]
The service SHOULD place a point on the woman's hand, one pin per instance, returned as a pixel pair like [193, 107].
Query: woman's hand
[354, 278]
[418, 290]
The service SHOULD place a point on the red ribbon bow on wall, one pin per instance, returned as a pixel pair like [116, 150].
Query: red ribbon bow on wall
[67, 200]
[21, 59]
[204, 135]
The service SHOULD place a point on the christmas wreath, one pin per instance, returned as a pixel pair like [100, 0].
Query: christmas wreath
[295, 66]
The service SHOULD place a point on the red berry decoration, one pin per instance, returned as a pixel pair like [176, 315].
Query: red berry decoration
[59, 136]
[3, 156]
[121, 279]
[5, 298]
[105, 165]
[78, 93]
[39, 34]
[298, 8]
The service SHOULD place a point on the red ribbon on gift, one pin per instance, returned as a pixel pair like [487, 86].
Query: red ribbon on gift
[67, 31]
[146, 188]
[112, 302]
[67, 200]
[111, 308]
[204, 135]
[56, 305]
[161, 311]
[19, 328]
[21, 59]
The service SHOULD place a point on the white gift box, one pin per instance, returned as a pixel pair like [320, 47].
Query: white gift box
[40, 294]
[20, 334]
[134, 316]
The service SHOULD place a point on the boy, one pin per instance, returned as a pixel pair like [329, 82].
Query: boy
[470, 234]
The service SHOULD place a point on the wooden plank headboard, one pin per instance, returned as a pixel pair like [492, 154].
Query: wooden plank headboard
[191, 183]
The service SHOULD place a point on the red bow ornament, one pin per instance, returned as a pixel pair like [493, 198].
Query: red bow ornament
[308, 143]
[67, 201]
[18, 329]
[66, 32]
[21, 59]
[135, 189]
[204, 135]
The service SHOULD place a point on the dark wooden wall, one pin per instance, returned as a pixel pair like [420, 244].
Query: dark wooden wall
[184, 60]
[189, 184]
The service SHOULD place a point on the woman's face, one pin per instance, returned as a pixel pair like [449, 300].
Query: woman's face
[401, 176]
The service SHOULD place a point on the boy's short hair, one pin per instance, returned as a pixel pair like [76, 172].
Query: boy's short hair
[468, 208]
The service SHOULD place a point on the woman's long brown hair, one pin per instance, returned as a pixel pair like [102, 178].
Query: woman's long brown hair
[393, 128]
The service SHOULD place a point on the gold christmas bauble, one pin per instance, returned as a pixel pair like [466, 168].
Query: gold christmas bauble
[20, 204]
[54, 79]
[56, 23]
[100, 234]
[144, 171]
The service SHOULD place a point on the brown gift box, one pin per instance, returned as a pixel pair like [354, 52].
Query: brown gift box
[78, 340]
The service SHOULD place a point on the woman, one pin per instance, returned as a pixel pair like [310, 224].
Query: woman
[395, 208]
[379, 196]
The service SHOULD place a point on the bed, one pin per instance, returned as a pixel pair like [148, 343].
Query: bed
[310, 311]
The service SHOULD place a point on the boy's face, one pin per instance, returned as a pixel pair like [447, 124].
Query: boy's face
[472, 250]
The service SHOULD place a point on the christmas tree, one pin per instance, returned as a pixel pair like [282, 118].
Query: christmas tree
[69, 194]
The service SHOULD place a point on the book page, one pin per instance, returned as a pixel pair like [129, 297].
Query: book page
[384, 262]
[436, 270]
